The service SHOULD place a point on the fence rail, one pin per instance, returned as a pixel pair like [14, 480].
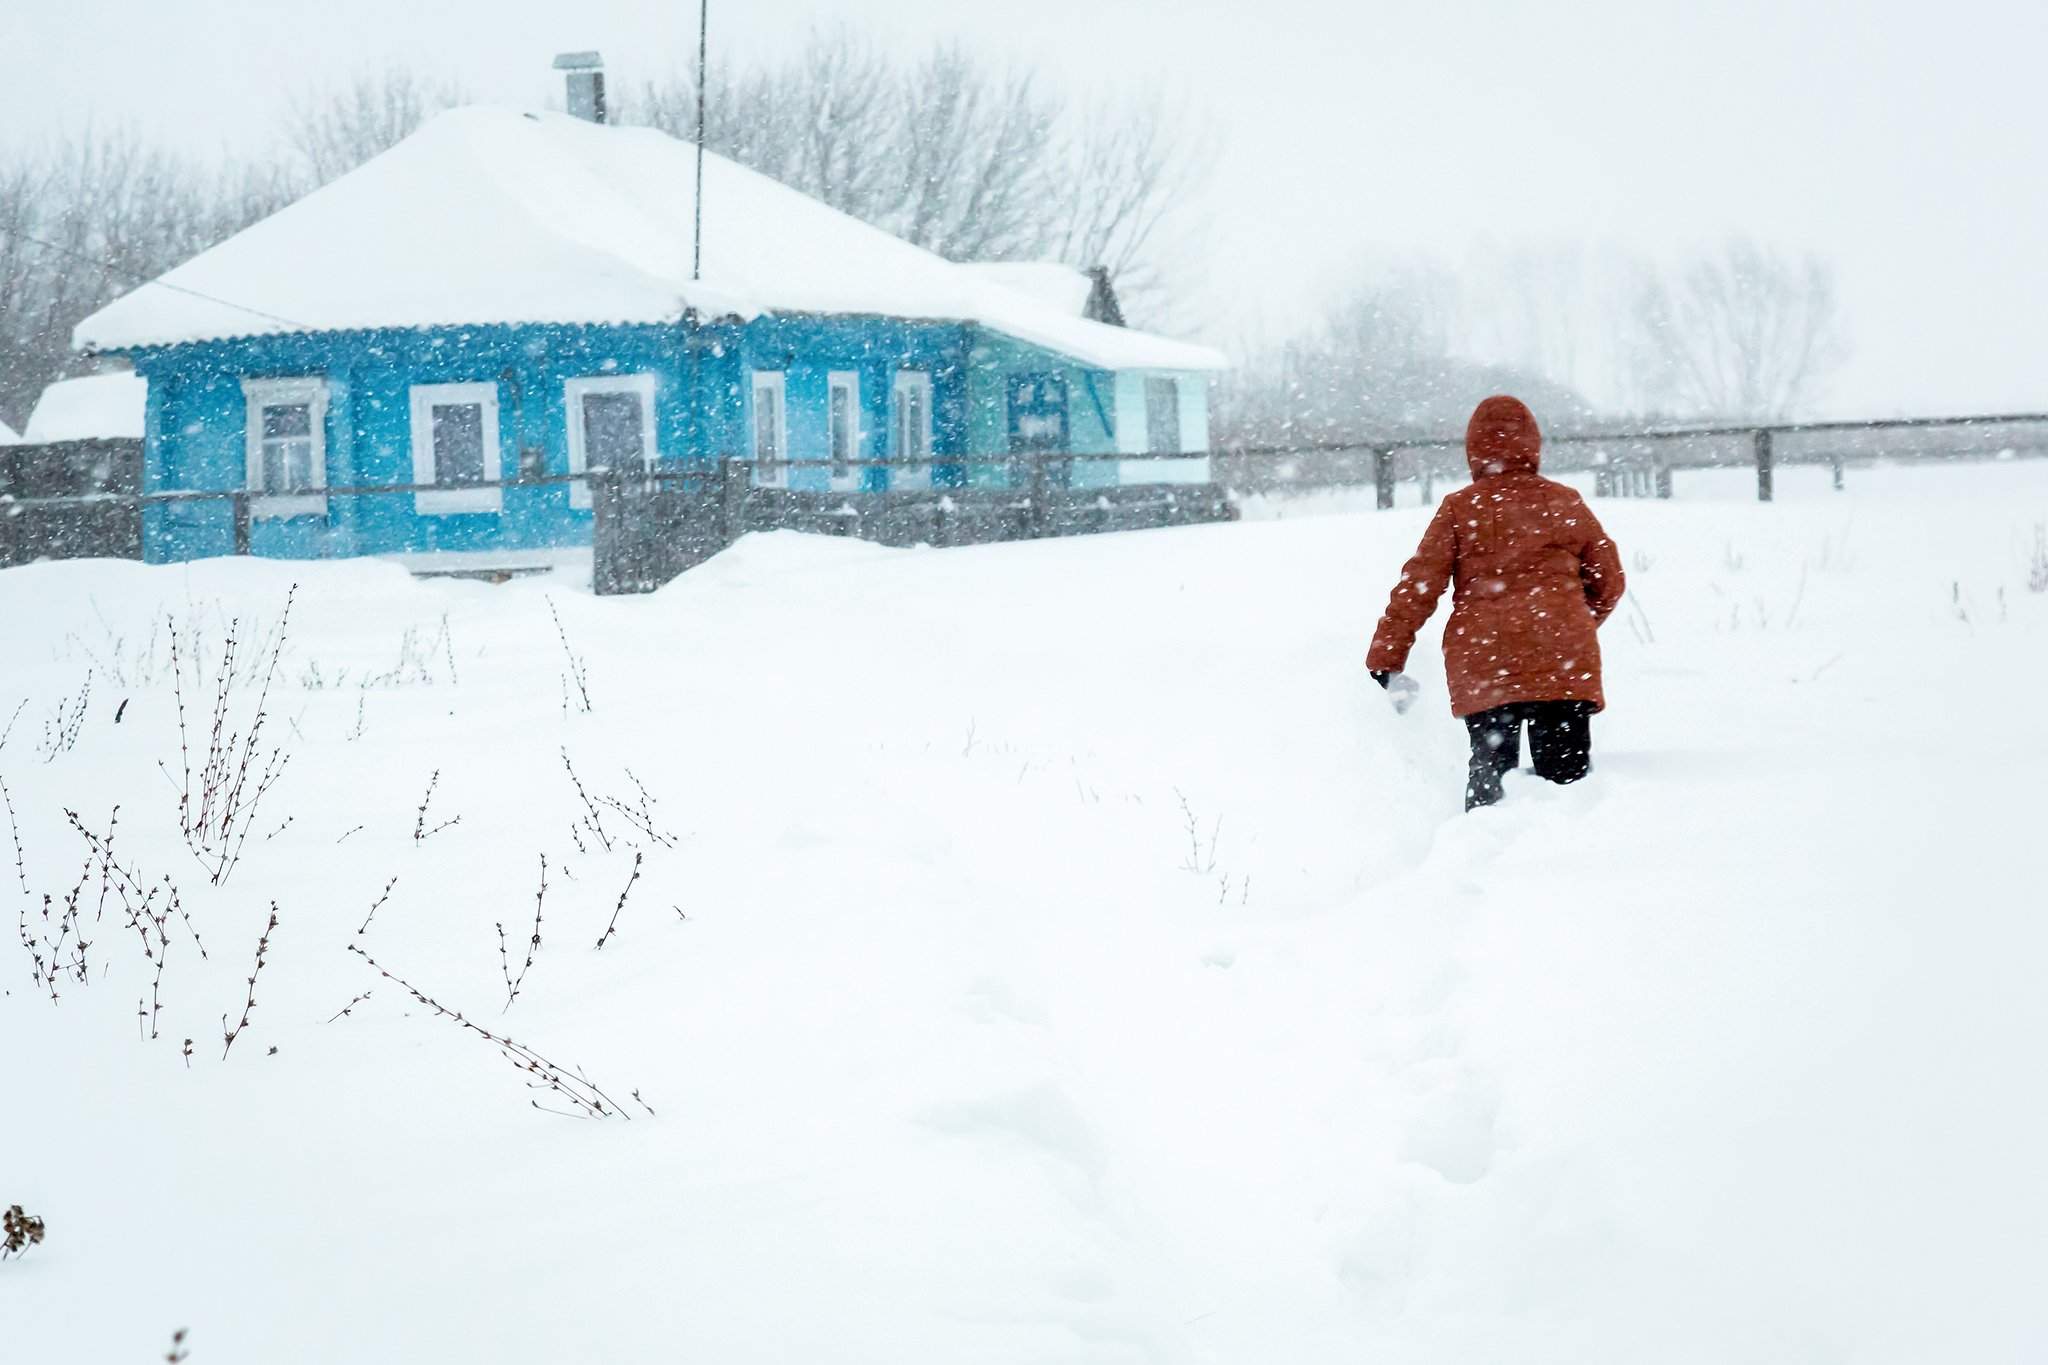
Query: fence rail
[70, 500]
[87, 498]
[651, 527]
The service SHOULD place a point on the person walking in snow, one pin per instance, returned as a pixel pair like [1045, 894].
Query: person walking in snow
[1532, 576]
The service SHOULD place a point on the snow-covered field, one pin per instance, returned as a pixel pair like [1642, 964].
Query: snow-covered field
[1063, 954]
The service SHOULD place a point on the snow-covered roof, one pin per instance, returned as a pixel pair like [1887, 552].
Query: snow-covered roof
[95, 406]
[492, 216]
[1057, 286]
[9, 436]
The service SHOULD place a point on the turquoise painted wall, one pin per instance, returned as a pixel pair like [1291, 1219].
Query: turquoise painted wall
[808, 351]
[196, 435]
[1133, 426]
[703, 399]
[1091, 406]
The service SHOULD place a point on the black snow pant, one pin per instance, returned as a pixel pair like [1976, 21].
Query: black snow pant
[1560, 744]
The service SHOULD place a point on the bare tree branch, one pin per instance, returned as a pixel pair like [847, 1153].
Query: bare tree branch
[335, 131]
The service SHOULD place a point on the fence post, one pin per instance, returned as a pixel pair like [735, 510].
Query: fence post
[1383, 477]
[1763, 464]
[607, 533]
[1835, 462]
[734, 474]
[240, 504]
[1041, 515]
[1664, 482]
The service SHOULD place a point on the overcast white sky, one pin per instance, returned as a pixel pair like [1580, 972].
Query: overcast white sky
[1904, 141]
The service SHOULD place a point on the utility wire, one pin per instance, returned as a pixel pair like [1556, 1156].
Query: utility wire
[140, 278]
[703, 48]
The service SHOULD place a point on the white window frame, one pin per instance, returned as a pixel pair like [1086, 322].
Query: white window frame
[778, 381]
[573, 393]
[455, 499]
[258, 394]
[848, 382]
[1172, 383]
[909, 471]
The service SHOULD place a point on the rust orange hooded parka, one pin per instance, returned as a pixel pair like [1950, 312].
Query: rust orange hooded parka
[1532, 577]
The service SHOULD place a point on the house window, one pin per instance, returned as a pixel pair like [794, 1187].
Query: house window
[771, 430]
[611, 426]
[1162, 416]
[287, 446]
[455, 446]
[910, 429]
[842, 427]
[912, 417]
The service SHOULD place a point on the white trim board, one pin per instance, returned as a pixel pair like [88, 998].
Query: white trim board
[778, 382]
[258, 394]
[455, 499]
[910, 470]
[573, 393]
[847, 382]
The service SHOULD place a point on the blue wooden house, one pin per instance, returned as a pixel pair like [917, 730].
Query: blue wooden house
[507, 295]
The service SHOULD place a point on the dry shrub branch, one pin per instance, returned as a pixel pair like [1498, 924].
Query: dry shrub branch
[569, 1085]
[228, 1035]
[234, 773]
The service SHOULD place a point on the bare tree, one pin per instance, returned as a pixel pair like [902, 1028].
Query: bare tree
[89, 220]
[822, 122]
[974, 179]
[335, 131]
[968, 160]
[1382, 364]
[1131, 163]
[1746, 333]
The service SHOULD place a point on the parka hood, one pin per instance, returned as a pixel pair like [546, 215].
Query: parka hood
[1502, 438]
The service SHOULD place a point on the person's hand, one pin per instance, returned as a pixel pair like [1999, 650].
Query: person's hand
[1401, 689]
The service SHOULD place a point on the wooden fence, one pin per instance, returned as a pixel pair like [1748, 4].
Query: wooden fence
[70, 500]
[652, 527]
[1638, 463]
[84, 497]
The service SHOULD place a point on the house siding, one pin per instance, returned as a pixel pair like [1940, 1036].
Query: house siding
[1091, 408]
[196, 418]
[808, 351]
[1134, 432]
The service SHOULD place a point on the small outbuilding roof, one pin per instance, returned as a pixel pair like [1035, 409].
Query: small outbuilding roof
[491, 216]
[95, 406]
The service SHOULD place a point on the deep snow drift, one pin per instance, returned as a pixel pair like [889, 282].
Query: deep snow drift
[1062, 955]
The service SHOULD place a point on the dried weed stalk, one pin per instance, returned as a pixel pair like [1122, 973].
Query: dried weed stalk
[571, 1086]
[578, 673]
[349, 1008]
[378, 906]
[228, 1035]
[613, 927]
[593, 819]
[61, 729]
[216, 816]
[513, 983]
[18, 1231]
[420, 832]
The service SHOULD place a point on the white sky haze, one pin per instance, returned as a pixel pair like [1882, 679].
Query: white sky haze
[1904, 142]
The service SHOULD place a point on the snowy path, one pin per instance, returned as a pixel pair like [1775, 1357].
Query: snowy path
[1729, 1054]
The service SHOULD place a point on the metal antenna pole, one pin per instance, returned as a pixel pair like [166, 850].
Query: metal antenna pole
[697, 245]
